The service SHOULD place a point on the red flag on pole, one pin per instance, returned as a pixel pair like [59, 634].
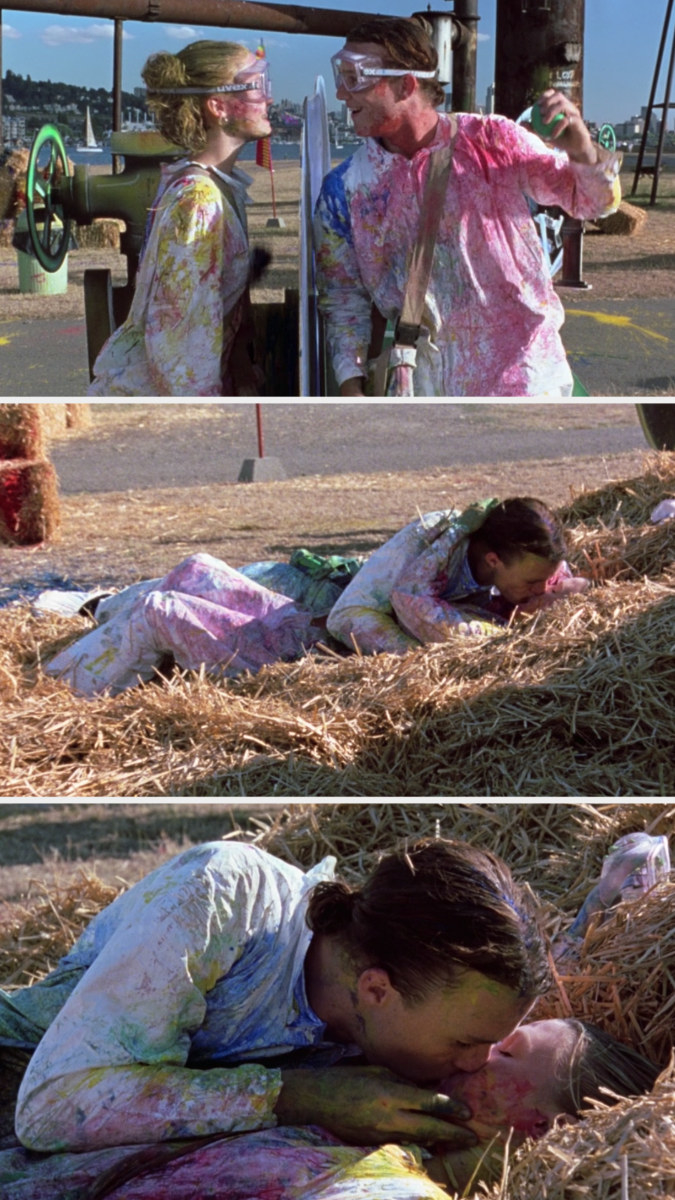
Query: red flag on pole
[263, 153]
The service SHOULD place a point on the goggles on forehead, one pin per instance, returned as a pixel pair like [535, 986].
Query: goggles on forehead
[255, 77]
[354, 72]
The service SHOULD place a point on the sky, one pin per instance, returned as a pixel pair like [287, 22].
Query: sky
[621, 45]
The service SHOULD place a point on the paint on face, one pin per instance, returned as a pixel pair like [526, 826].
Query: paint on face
[375, 110]
[450, 1030]
[518, 1087]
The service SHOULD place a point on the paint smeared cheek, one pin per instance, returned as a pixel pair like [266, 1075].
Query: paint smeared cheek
[495, 1101]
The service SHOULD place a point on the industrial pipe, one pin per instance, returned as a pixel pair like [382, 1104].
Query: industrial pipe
[242, 14]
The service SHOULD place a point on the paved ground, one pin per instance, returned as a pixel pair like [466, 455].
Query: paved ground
[615, 347]
[319, 439]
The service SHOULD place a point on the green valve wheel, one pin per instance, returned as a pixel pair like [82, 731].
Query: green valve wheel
[607, 137]
[48, 225]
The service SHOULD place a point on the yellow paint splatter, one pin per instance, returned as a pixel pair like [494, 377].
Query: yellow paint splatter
[5, 341]
[620, 322]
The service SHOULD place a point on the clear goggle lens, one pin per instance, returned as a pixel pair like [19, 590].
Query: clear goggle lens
[255, 78]
[355, 72]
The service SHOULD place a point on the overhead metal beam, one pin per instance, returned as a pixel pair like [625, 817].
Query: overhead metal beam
[240, 14]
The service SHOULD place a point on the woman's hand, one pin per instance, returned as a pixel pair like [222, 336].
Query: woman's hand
[371, 1105]
[571, 133]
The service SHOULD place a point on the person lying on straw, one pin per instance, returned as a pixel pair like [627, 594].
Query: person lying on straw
[217, 994]
[451, 573]
[543, 1071]
[447, 573]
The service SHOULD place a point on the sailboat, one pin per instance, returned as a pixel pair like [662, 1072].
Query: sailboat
[90, 145]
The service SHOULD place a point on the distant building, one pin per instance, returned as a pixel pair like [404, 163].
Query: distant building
[13, 131]
[490, 99]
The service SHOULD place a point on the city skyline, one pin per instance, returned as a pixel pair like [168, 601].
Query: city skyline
[620, 50]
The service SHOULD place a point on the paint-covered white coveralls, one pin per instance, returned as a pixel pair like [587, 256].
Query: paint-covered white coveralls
[417, 588]
[201, 960]
[185, 313]
[492, 317]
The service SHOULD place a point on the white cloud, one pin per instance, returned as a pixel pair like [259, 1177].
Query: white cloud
[63, 35]
[182, 33]
[8, 31]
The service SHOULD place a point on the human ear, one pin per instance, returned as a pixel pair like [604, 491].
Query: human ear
[215, 107]
[492, 559]
[374, 987]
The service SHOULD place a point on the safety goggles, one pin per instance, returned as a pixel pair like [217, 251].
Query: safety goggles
[255, 77]
[354, 72]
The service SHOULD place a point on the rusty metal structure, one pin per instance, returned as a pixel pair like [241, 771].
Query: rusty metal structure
[540, 45]
[263, 17]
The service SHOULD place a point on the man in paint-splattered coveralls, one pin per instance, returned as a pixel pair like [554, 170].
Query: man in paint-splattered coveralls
[491, 319]
[450, 574]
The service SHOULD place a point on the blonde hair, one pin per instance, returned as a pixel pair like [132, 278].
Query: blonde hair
[201, 64]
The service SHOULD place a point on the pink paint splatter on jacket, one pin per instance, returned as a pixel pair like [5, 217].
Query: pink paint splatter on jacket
[492, 315]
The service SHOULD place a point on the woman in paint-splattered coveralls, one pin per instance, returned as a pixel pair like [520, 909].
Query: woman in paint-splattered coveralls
[491, 320]
[179, 338]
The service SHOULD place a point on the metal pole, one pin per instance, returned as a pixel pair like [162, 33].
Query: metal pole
[662, 126]
[117, 89]
[2, 138]
[652, 93]
[258, 421]
[464, 57]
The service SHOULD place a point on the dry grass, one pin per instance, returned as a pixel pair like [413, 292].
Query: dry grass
[624, 1152]
[577, 701]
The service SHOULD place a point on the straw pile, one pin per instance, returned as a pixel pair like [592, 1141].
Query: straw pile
[624, 1152]
[575, 701]
[36, 935]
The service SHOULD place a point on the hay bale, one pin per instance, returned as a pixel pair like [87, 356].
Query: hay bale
[625, 222]
[60, 419]
[78, 417]
[102, 234]
[53, 419]
[29, 502]
[21, 431]
[13, 183]
[7, 192]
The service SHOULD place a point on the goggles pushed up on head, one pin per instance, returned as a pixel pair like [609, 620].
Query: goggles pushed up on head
[355, 72]
[254, 77]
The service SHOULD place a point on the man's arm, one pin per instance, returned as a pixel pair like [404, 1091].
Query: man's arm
[343, 300]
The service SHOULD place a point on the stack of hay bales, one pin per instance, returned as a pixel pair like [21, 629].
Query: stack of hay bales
[29, 502]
